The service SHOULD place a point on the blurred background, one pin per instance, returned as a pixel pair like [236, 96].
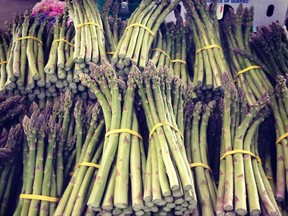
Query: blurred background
[10, 7]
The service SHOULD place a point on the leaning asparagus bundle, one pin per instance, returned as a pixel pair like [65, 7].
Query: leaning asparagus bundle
[89, 33]
[134, 46]
[279, 106]
[250, 77]
[243, 186]
[210, 63]
[10, 169]
[271, 46]
[173, 188]
[74, 199]
[196, 147]
[122, 142]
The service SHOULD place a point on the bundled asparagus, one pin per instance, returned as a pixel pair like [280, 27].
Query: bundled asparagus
[10, 159]
[250, 77]
[173, 188]
[196, 148]
[271, 46]
[141, 29]
[242, 178]
[280, 110]
[89, 33]
[169, 49]
[4, 49]
[210, 63]
[122, 141]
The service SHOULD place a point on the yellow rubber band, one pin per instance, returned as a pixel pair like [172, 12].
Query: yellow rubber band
[39, 197]
[247, 69]
[63, 41]
[3, 62]
[178, 60]
[30, 37]
[163, 124]
[281, 138]
[142, 26]
[110, 53]
[89, 23]
[193, 165]
[88, 164]
[209, 47]
[269, 177]
[124, 130]
[162, 51]
[243, 152]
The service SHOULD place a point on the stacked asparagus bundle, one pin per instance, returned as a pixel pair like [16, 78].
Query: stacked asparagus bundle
[4, 48]
[242, 178]
[89, 33]
[196, 124]
[10, 158]
[210, 63]
[250, 77]
[60, 71]
[122, 141]
[173, 188]
[271, 46]
[169, 49]
[134, 46]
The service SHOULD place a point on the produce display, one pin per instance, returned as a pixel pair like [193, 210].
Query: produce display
[105, 116]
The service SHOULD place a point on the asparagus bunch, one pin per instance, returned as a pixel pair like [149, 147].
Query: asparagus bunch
[4, 49]
[60, 71]
[210, 63]
[89, 32]
[122, 142]
[169, 49]
[271, 46]
[250, 76]
[162, 99]
[134, 46]
[10, 159]
[74, 198]
[280, 108]
[243, 187]
[196, 123]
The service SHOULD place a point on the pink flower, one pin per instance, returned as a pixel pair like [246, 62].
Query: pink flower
[49, 7]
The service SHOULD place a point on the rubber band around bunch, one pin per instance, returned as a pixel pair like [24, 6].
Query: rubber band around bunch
[242, 152]
[162, 51]
[161, 124]
[65, 41]
[124, 130]
[39, 197]
[247, 69]
[193, 165]
[3, 62]
[142, 26]
[209, 47]
[88, 164]
[110, 53]
[178, 61]
[30, 37]
[281, 138]
[89, 23]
